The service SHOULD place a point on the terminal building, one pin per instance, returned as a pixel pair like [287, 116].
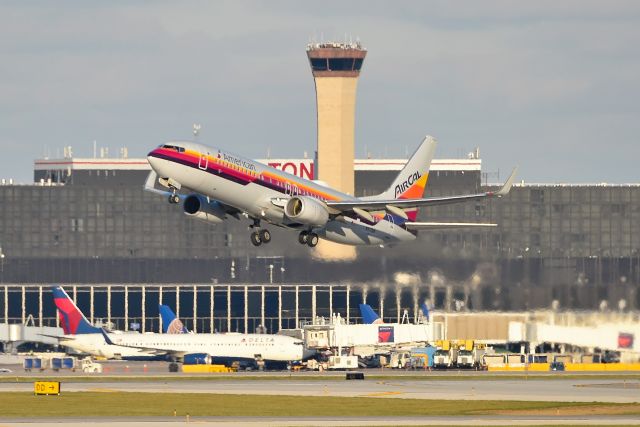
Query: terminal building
[88, 223]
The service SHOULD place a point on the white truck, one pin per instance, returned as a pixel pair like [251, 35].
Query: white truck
[87, 365]
[399, 359]
[470, 354]
[445, 358]
[343, 362]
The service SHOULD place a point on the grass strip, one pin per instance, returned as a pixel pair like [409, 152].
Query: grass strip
[114, 404]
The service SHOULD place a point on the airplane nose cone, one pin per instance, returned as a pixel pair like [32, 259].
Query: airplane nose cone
[153, 160]
[308, 353]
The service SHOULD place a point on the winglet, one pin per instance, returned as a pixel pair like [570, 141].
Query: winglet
[106, 337]
[507, 185]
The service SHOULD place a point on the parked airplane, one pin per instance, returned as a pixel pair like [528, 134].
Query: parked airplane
[81, 336]
[222, 184]
[223, 348]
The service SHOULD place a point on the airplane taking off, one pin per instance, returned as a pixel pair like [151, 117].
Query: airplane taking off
[223, 184]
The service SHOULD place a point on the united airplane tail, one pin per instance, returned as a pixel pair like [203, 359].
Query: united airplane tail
[412, 179]
[170, 322]
[72, 320]
[425, 311]
[368, 315]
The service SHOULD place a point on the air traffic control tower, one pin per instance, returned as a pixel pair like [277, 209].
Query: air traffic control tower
[336, 67]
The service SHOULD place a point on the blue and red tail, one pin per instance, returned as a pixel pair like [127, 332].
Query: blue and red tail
[72, 320]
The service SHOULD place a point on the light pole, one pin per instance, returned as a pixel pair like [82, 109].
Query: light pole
[1, 265]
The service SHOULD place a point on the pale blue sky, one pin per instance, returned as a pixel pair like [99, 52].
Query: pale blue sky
[549, 85]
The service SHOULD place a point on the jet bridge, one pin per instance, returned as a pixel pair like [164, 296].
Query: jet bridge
[12, 335]
[624, 337]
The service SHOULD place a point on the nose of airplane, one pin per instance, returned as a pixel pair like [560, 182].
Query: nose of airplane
[308, 353]
[152, 159]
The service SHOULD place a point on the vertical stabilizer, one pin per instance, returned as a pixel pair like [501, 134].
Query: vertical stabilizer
[71, 318]
[368, 315]
[170, 322]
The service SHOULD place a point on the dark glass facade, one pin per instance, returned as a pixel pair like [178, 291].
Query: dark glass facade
[577, 244]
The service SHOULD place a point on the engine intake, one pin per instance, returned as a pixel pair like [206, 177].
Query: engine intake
[199, 207]
[306, 210]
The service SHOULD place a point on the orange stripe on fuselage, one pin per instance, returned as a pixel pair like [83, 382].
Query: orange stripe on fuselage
[252, 176]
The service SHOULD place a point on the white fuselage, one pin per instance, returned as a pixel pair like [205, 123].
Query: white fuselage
[230, 345]
[95, 345]
[270, 347]
[251, 187]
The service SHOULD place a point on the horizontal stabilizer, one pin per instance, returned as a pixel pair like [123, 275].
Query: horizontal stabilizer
[446, 225]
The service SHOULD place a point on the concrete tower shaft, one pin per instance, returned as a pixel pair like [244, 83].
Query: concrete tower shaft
[336, 67]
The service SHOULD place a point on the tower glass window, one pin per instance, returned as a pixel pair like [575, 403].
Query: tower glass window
[318, 64]
[341, 64]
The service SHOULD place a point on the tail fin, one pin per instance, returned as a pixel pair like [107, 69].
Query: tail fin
[170, 322]
[412, 179]
[425, 311]
[368, 315]
[71, 318]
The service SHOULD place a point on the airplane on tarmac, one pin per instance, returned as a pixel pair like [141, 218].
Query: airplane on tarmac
[222, 184]
[81, 336]
[223, 348]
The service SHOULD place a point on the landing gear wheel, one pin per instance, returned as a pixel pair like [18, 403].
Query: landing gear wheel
[312, 240]
[255, 239]
[174, 199]
[303, 237]
[265, 236]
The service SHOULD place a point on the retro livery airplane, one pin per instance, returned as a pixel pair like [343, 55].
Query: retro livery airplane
[222, 184]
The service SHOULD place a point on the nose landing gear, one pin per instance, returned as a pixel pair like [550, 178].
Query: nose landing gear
[173, 197]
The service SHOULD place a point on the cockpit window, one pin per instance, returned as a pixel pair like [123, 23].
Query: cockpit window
[174, 148]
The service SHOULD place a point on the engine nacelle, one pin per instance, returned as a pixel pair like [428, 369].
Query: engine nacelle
[196, 359]
[306, 210]
[199, 207]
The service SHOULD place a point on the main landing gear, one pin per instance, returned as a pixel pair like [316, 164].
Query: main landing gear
[259, 236]
[308, 238]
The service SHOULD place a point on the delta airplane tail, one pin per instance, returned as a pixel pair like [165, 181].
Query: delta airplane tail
[170, 322]
[72, 320]
[368, 315]
[412, 179]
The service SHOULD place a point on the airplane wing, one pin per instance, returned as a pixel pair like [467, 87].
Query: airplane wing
[361, 207]
[59, 337]
[152, 350]
[446, 225]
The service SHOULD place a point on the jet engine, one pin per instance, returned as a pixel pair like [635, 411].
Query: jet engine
[307, 210]
[200, 207]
